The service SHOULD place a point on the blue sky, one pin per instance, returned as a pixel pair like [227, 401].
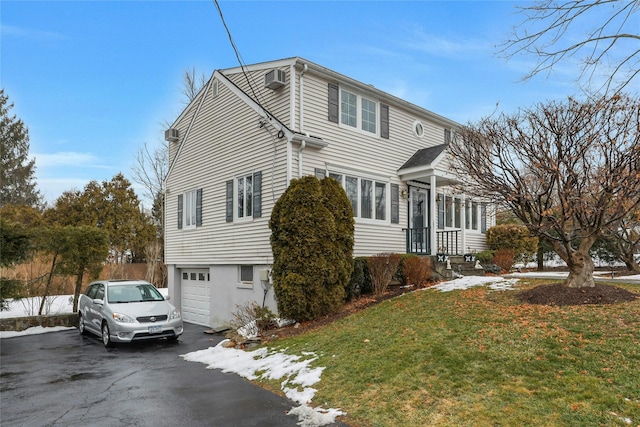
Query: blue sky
[93, 81]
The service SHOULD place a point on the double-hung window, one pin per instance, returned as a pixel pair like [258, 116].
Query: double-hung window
[352, 110]
[190, 209]
[369, 115]
[349, 109]
[244, 197]
[358, 112]
[244, 188]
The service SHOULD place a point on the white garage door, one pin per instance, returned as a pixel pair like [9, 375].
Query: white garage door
[196, 304]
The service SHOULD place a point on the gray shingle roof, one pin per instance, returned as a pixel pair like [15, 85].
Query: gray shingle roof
[424, 157]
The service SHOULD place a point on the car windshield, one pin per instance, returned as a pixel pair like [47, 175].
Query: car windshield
[133, 293]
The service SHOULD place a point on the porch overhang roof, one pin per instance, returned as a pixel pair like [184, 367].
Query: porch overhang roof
[424, 164]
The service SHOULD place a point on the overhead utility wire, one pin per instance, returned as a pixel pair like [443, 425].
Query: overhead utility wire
[239, 57]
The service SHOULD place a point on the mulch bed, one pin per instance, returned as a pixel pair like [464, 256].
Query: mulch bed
[559, 294]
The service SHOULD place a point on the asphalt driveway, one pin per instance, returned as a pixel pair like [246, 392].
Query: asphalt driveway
[64, 379]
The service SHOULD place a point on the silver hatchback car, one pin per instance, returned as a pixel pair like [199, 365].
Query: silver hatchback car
[127, 310]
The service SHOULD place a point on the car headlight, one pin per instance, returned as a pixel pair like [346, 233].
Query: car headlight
[122, 318]
[175, 314]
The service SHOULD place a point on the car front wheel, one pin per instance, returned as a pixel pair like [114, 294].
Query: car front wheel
[81, 327]
[106, 337]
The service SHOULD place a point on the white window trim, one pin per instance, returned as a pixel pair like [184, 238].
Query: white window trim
[189, 198]
[418, 129]
[478, 212]
[374, 179]
[358, 127]
[245, 284]
[245, 218]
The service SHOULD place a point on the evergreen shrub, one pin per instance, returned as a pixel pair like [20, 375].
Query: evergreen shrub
[485, 257]
[360, 282]
[312, 243]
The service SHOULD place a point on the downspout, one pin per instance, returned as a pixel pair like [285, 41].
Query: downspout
[289, 160]
[304, 71]
[303, 144]
[292, 113]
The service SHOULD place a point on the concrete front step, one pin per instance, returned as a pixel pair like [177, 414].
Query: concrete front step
[458, 266]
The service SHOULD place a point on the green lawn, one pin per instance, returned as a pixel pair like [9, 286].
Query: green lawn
[479, 358]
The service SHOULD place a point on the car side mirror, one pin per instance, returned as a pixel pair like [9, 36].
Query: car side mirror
[98, 301]
[167, 298]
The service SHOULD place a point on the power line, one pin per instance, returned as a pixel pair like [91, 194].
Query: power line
[238, 56]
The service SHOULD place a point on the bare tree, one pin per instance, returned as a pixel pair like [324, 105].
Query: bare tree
[609, 40]
[152, 164]
[567, 170]
[191, 84]
[150, 170]
[624, 240]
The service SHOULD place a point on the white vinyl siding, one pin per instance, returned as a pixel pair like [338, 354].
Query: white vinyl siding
[364, 152]
[224, 139]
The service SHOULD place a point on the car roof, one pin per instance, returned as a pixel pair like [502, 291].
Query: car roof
[122, 282]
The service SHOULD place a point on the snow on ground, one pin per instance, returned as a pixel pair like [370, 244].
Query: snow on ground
[34, 331]
[58, 304]
[296, 372]
[495, 282]
[561, 275]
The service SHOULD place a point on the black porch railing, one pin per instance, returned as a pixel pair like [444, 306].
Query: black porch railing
[418, 241]
[448, 242]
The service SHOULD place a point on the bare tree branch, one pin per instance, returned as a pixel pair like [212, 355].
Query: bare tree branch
[569, 171]
[609, 33]
[191, 84]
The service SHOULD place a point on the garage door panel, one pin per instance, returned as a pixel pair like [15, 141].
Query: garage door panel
[195, 297]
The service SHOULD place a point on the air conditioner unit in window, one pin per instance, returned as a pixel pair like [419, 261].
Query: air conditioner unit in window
[171, 135]
[274, 79]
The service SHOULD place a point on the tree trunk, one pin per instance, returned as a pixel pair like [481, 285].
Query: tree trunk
[580, 270]
[48, 284]
[632, 265]
[76, 291]
[540, 259]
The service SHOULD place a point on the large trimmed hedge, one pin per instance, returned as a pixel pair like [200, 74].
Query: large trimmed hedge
[513, 237]
[312, 243]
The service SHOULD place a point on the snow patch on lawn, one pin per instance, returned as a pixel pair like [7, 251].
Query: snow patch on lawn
[495, 282]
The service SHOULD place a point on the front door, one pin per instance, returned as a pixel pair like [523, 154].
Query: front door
[419, 220]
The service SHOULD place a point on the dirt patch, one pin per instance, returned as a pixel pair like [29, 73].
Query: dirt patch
[558, 294]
